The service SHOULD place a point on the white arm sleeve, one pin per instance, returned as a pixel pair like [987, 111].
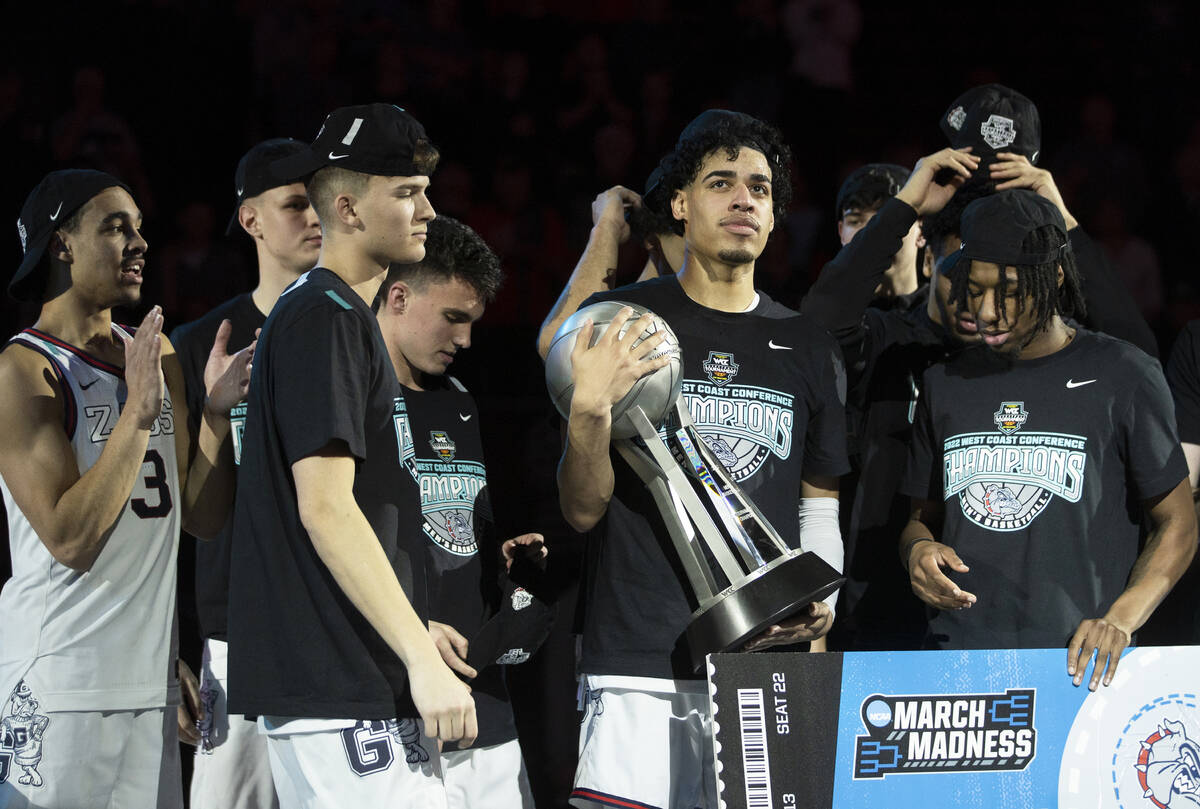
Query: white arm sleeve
[821, 534]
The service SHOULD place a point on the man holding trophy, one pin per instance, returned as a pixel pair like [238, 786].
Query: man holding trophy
[765, 389]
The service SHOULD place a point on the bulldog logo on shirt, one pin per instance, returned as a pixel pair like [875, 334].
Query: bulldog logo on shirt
[21, 732]
[1004, 479]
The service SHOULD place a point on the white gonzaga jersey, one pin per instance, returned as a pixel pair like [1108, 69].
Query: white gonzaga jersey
[104, 639]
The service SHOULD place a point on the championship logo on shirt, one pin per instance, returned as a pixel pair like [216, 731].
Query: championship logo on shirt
[998, 131]
[448, 491]
[720, 367]
[1010, 417]
[442, 445]
[1005, 479]
[405, 446]
[743, 425]
[924, 734]
[237, 425]
[21, 732]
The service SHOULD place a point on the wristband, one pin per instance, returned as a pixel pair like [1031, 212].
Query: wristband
[906, 552]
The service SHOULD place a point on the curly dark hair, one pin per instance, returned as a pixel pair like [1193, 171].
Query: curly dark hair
[732, 134]
[1039, 281]
[935, 227]
[452, 250]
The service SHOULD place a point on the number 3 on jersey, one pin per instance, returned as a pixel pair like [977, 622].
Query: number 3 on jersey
[156, 484]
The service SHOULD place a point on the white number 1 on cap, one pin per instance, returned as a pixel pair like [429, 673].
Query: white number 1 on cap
[353, 131]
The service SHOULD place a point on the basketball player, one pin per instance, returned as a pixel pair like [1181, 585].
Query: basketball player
[887, 348]
[96, 481]
[646, 737]
[861, 196]
[231, 768]
[1027, 452]
[426, 312]
[327, 594]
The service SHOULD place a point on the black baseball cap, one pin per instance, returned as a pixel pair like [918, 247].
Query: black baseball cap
[255, 174]
[522, 623]
[369, 138]
[993, 118]
[870, 183]
[51, 203]
[995, 226]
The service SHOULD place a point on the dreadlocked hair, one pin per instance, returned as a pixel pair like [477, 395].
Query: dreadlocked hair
[1036, 281]
[682, 166]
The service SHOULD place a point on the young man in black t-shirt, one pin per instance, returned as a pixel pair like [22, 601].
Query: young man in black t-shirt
[327, 635]
[861, 196]
[887, 348]
[426, 311]
[764, 387]
[231, 768]
[1027, 453]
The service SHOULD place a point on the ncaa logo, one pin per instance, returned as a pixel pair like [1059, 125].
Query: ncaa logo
[720, 367]
[998, 131]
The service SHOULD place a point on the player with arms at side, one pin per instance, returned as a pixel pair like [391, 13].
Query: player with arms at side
[426, 311]
[231, 769]
[647, 733]
[327, 595]
[1028, 450]
[94, 457]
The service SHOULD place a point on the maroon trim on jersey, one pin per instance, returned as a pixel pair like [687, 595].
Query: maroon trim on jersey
[609, 800]
[88, 358]
[70, 410]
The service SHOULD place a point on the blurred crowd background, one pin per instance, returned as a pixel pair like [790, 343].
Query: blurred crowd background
[539, 106]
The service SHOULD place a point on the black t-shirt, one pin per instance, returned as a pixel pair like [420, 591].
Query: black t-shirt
[1183, 374]
[1042, 465]
[445, 457]
[193, 342]
[766, 390]
[298, 647]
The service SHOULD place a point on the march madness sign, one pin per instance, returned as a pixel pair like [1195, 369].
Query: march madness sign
[994, 729]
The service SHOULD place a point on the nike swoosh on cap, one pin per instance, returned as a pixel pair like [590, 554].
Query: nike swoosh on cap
[54, 216]
[333, 156]
[464, 418]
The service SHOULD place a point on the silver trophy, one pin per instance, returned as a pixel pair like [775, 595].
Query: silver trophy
[744, 576]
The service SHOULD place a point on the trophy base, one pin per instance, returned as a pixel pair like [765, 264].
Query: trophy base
[779, 590]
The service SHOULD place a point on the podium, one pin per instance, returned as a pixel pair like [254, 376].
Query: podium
[995, 729]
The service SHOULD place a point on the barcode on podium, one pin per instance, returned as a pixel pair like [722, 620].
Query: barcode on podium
[755, 765]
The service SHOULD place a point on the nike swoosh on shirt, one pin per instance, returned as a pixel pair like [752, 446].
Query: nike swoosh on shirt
[1071, 383]
[333, 156]
[88, 385]
[771, 344]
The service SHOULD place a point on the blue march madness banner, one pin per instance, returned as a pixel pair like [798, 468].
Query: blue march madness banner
[994, 729]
